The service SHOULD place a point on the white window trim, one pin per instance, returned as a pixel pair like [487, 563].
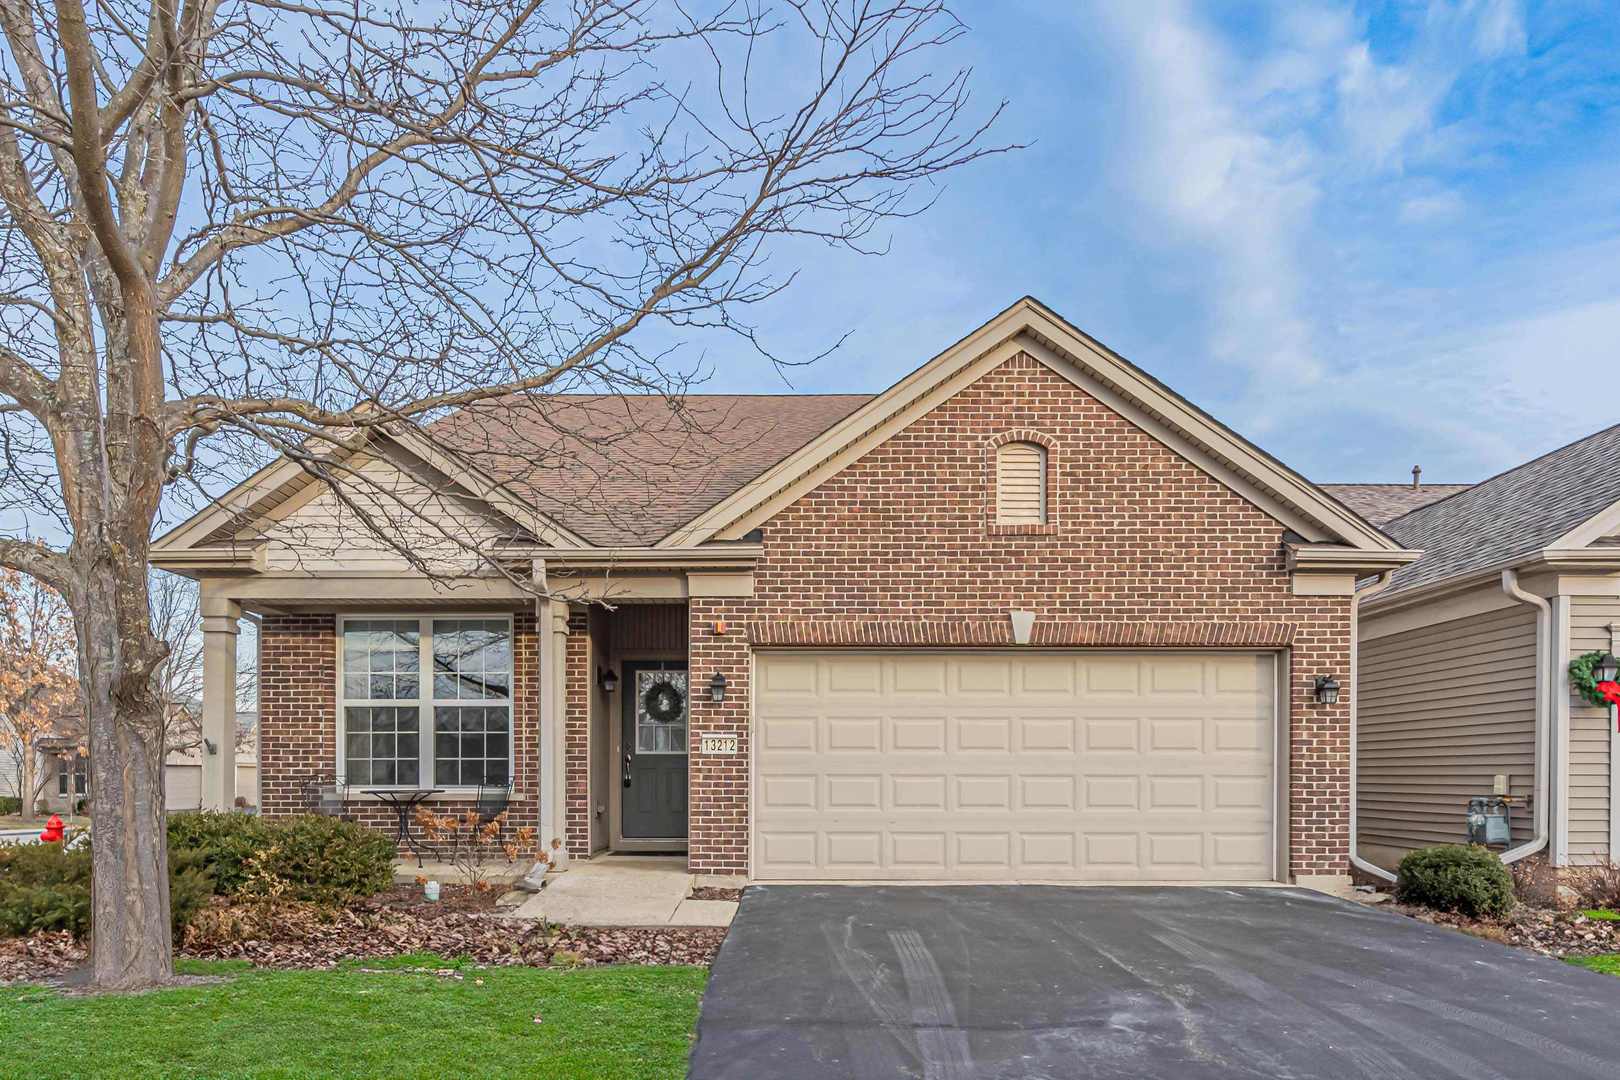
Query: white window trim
[425, 704]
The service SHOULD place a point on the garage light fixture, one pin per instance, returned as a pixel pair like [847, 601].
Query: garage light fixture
[607, 680]
[1606, 669]
[1327, 689]
[717, 688]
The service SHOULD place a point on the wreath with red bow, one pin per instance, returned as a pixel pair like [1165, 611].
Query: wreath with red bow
[1601, 694]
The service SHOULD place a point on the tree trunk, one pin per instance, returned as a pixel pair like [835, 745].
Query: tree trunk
[131, 944]
[27, 788]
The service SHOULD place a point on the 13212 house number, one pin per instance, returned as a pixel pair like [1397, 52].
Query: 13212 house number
[717, 744]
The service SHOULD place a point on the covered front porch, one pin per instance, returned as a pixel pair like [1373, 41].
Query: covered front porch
[584, 699]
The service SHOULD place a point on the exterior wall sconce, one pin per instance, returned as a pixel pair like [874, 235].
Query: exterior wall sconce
[1327, 689]
[211, 746]
[1606, 669]
[717, 688]
[607, 680]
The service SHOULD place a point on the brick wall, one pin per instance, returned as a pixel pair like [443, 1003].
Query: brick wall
[298, 718]
[1138, 535]
[717, 785]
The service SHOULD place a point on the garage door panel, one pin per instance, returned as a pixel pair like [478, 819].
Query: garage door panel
[983, 675]
[1106, 767]
[917, 734]
[1045, 734]
[982, 733]
[1105, 734]
[918, 792]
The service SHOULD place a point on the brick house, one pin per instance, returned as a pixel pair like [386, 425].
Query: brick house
[1026, 615]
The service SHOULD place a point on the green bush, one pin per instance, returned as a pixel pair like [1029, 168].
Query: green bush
[47, 887]
[10, 804]
[225, 841]
[1454, 877]
[320, 859]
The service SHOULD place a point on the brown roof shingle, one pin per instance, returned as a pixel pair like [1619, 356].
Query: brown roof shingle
[1511, 514]
[629, 469]
[1379, 503]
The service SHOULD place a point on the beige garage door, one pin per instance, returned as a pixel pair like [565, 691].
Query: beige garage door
[994, 767]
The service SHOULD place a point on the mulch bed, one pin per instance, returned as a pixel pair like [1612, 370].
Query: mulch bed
[1548, 931]
[453, 900]
[304, 936]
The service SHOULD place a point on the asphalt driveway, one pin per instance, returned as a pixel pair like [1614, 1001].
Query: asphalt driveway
[1034, 981]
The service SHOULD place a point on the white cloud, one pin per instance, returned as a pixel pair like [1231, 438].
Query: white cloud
[1197, 160]
[1423, 208]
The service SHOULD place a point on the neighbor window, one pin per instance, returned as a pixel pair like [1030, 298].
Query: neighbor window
[1020, 484]
[450, 729]
[74, 773]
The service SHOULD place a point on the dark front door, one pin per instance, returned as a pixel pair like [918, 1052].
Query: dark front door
[654, 781]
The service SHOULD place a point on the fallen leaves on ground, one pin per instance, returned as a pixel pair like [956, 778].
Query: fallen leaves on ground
[1548, 931]
[305, 936]
[712, 892]
[39, 956]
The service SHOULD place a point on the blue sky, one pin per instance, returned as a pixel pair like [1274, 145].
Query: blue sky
[1365, 236]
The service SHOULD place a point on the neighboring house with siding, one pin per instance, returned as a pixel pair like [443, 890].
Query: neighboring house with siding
[183, 768]
[1465, 648]
[1026, 615]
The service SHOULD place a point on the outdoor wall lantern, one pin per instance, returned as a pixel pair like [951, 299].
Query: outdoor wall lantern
[1606, 669]
[1327, 689]
[717, 688]
[608, 681]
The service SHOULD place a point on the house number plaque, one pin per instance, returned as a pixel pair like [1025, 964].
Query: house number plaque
[717, 744]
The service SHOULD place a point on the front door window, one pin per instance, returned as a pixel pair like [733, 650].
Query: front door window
[660, 712]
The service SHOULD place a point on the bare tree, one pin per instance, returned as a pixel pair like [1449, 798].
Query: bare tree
[38, 691]
[246, 223]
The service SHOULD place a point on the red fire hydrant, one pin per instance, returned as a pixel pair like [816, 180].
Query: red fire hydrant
[53, 830]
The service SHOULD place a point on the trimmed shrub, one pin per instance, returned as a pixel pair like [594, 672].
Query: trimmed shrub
[47, 887]
[10, 804]
[318, 859]
[1456, 877]
[225, 842]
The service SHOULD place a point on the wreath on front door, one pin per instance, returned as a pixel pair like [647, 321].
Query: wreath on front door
[662, 703]
[1601, 694]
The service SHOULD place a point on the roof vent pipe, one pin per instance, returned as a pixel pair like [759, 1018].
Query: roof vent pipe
[1545, 688]
[1417, 476]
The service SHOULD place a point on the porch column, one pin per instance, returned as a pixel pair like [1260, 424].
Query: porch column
[221, 617]
[553, 643]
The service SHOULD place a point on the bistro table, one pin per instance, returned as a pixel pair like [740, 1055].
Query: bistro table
[404, 800]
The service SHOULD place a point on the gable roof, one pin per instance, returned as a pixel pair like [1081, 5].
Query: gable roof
[610, 471]
[1028, 326]
[1526, 509]
[1382, 503]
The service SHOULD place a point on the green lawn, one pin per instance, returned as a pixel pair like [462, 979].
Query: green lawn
[618, 1022]
[1607, 964]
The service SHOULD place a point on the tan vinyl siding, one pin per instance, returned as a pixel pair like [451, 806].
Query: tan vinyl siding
[1020, 484]
[1443, 709]
[1589, 727]
[420, 510]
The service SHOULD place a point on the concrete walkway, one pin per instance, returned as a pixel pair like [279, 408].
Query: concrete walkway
[624, 890]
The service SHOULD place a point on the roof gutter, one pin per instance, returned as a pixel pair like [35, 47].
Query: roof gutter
[1361, 594]
[1545, 688]
[1602, 560]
